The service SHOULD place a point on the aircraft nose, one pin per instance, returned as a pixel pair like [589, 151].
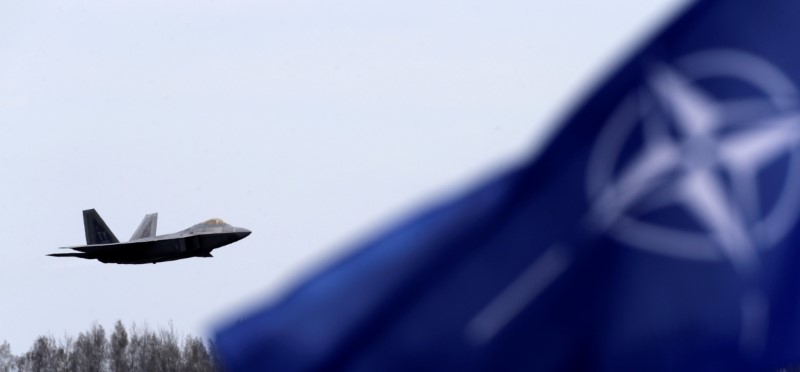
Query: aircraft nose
[242, 233]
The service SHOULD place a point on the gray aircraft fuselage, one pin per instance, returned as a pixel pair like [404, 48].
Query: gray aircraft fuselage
[145, 247]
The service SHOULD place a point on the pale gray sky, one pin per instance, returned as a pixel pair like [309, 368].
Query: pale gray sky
[311, 123]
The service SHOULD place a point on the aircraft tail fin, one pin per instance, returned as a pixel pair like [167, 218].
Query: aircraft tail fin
[97, 232]
[146, 229]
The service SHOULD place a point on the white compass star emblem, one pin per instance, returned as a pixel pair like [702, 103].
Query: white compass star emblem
[707, 161]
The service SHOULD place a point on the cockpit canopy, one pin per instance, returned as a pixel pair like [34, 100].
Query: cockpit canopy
[215, 221]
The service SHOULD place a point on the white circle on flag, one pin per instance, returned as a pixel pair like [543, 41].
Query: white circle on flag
[701, 162]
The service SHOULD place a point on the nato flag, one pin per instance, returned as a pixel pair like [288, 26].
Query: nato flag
[657, 231]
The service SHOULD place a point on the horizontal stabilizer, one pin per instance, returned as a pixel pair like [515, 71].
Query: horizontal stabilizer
[112, 247]
[81, 255]
[146, 229]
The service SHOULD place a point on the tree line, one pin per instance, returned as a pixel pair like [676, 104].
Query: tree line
[125, 350]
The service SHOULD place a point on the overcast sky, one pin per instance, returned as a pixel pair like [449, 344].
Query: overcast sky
[312, 123]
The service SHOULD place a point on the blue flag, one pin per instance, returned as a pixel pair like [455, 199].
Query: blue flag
[657, 231]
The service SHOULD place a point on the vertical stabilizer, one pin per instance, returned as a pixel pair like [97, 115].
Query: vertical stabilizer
[97, 232]
[146, 229]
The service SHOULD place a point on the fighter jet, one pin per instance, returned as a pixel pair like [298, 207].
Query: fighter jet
[145, 247]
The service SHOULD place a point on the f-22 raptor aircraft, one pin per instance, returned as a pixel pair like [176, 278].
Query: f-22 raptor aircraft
[145, 247]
